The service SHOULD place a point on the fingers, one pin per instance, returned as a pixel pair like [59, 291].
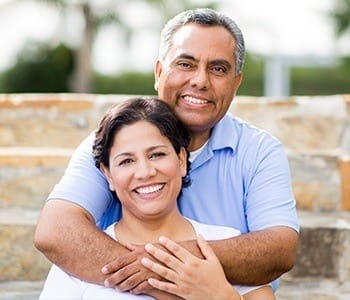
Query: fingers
[205, 248]
[159, 269]
[164, 286]
[178, 251]
[122, 277]
[117, 264]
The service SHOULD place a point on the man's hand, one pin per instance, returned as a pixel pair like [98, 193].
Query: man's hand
[127, 272]
[131, 275]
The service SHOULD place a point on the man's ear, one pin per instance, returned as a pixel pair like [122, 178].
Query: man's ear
[183, 161]
[238, 80]
[106, 172]
[157, 72]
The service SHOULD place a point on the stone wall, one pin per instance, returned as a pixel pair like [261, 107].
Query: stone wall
[314, 130]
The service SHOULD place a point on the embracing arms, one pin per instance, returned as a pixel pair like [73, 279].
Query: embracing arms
[66, 234]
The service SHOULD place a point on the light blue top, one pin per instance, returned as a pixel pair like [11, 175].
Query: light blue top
[241, 179]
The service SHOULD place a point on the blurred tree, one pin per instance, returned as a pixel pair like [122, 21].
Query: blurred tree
[94, 15]
[39, 69]
[341, 16]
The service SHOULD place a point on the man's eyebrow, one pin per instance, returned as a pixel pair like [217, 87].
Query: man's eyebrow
[222, 62]
[187, 56]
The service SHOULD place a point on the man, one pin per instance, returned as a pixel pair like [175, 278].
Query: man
[240, 174]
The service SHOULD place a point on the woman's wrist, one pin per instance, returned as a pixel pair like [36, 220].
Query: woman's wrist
[229, 293]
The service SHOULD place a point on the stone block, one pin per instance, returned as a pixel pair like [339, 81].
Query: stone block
[50, 120]
[324, 246]
[19, 260]
[345, 178]
[27, 175]
[301, 123]
[316, 180]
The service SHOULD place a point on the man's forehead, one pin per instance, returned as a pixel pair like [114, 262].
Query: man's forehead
[192, 31]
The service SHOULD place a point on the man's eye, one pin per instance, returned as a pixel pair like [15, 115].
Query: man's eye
[219, 69]
[184, 65]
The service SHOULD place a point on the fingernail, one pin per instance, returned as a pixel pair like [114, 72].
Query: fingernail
[104, 270]
[148, 247]
[162, 239]
[106, 284]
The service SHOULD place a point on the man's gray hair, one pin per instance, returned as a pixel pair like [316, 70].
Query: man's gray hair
[204, 17]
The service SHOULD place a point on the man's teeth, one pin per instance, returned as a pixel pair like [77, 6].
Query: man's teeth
[195, 100]
[149, 189]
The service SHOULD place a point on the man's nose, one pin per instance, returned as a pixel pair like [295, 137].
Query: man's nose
[200, 79]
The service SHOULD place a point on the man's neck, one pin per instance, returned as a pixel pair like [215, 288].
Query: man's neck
[198, 140]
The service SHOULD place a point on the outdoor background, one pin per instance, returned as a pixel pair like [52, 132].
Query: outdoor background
[294, 47]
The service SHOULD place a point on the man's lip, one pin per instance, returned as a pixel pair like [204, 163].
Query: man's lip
[197, 100]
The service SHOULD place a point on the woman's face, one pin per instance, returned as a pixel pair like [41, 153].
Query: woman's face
[145, 171]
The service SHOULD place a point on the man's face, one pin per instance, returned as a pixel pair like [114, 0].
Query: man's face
[197, 77]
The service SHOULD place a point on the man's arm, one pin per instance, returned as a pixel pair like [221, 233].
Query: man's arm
[67, 235]
[253, 258]
[258, 257]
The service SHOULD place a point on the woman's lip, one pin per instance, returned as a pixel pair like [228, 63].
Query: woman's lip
[149, 189]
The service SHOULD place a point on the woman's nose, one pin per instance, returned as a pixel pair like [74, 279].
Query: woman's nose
[144, 169]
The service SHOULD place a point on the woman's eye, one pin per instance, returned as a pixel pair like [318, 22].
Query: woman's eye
[125, 162]
[157, 154]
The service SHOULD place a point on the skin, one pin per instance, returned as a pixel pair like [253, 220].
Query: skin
[197, 79]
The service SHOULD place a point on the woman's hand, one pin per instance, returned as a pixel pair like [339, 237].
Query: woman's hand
[188, 276]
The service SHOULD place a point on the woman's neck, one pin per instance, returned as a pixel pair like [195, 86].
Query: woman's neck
[131, 229]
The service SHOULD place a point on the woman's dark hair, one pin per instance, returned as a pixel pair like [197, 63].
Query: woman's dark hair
[133, 110]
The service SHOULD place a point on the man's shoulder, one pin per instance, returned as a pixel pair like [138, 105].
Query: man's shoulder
[234, 132]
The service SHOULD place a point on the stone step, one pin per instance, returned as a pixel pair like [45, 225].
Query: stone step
[19, 259]
[309, 288]
[312, 288]
[62, 120]
[50, 120]
[324, 248]
[20, 290]
[27, 175]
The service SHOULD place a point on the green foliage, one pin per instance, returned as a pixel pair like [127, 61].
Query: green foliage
[39, 69]
[341, 16]
[126, 83]
[321, 81]
[253, 72]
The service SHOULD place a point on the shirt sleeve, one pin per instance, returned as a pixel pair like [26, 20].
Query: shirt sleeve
[83, 183]
[269, 196]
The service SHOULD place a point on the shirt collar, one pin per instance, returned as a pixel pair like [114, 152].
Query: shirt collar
[224, 134]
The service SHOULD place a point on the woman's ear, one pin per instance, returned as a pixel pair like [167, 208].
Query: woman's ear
[106, 172]
[183, 161]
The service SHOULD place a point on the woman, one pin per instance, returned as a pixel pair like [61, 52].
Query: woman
[140, 146]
